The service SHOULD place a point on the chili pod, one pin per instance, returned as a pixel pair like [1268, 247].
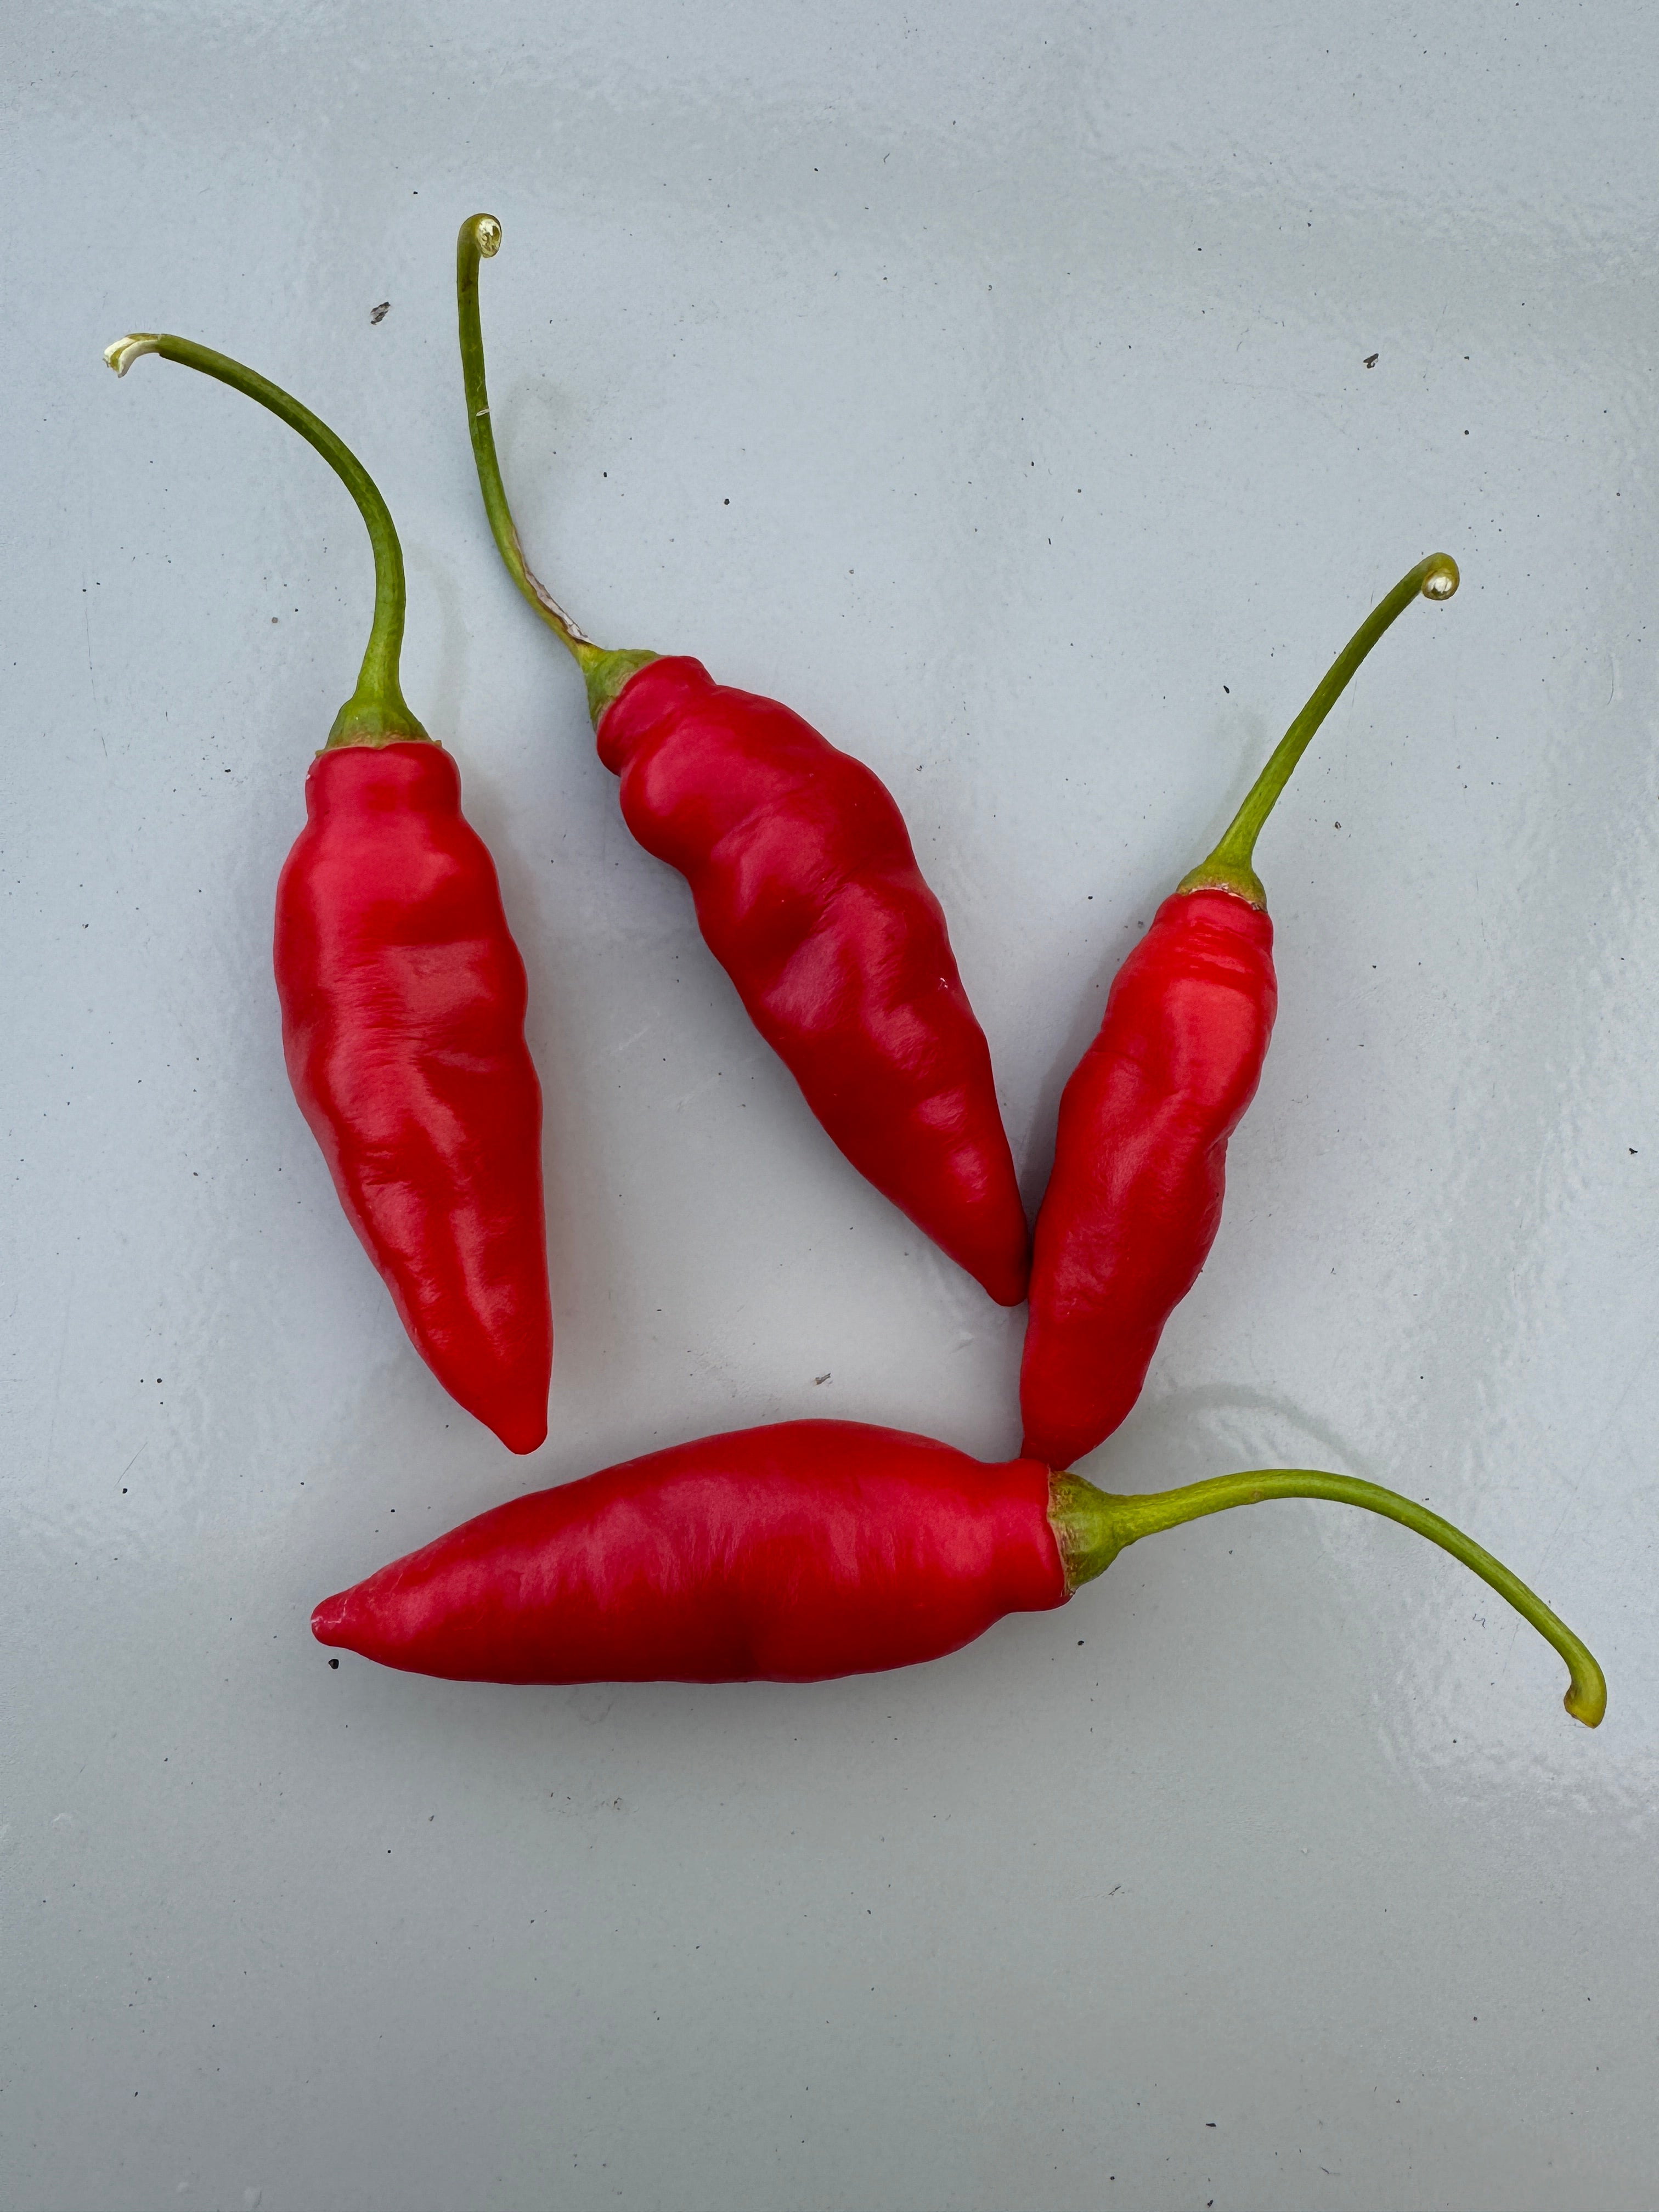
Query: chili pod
[799, 1552]
[806, 891]
[403, 1001]
[1134, 1201]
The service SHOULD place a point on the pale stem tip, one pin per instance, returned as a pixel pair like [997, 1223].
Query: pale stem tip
[1587, 1698]
[124, 351]
[487, 234]
[1442, 579]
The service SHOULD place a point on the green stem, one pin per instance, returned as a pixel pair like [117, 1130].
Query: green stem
[606, 673]
[376, 714]
[1229, 867]
[1092, 1527]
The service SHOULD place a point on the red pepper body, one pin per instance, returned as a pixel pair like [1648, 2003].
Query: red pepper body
[787, 1554]
[403, 998]
[1140, 1154]
[808, 894]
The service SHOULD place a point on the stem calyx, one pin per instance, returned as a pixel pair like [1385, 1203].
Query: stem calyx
[377, 714]
[1230, 866]
[1092, 1526]
[606, 673]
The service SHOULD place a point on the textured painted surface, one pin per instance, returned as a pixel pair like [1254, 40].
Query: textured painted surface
[1028, 349]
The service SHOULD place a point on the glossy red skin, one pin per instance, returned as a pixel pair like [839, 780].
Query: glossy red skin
[808, 894]
[1140, 1154]
[403, 998]
[785, 1554]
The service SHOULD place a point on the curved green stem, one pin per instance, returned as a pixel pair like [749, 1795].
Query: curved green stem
[1229, 867]
[606, 673]
[1092, 1527]
[376, 712]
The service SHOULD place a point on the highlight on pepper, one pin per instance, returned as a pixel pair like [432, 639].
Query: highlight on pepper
[803, 1551]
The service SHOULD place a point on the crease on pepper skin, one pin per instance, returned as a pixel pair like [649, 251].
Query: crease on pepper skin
[1134, 1198]
[801, 1552]
[806, 891]
[402, 1001]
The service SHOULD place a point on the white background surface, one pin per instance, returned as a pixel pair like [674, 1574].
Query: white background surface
[1027, 350]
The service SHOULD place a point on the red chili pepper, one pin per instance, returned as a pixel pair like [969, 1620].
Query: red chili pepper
[402, 998]
[1140, 1150]
[808, 894]
[799, 1552]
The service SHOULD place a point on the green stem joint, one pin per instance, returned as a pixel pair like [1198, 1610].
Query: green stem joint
[1229, 867]
[604, 671]
[377, 713]
[1092, 1527]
